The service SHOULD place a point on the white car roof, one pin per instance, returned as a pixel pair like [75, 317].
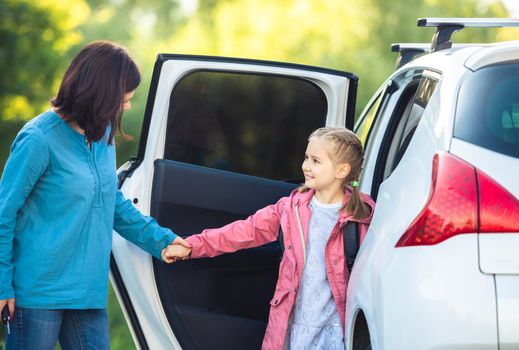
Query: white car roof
[492, 54]
[473, 57]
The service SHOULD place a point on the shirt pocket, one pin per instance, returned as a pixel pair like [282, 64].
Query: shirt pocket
[279, 296]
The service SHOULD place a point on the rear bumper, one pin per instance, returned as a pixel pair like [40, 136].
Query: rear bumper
[507, 291]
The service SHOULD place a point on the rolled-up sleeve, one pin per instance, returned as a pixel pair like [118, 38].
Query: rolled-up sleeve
[28, 160]
[142, 230]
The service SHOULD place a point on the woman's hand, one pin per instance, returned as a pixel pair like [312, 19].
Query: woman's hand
[179, 249]
[176, 252]
[10, 305]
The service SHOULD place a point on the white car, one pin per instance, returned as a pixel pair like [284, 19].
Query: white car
[223, 137]
[439, 268]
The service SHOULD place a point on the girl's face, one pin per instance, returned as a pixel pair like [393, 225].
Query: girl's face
[321, 172]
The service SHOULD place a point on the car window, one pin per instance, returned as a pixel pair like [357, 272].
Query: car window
[246, 123]
[410, 117]
[488, 109]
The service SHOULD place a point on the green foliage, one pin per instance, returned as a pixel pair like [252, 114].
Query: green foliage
[349, 35]
[35, 38]
[34, 41]
[137, 25]
[120, 337]
[128, 20]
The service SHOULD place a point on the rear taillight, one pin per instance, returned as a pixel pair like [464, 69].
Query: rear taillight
[498, 208]
[462, 200]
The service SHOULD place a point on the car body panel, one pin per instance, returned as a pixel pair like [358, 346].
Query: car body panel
[508, 311]
[505, 52]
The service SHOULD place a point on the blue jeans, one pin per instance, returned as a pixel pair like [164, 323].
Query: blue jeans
[42, 328]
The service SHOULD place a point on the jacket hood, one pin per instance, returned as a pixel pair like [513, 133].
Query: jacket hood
[303, 198]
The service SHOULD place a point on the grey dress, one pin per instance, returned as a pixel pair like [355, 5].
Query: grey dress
[315, 322]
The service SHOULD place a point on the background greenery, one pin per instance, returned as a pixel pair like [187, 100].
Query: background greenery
[38, 40]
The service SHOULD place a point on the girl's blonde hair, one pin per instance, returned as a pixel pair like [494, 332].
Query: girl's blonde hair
[347, 149]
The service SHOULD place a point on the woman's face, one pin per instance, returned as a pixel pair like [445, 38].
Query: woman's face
[127, 104]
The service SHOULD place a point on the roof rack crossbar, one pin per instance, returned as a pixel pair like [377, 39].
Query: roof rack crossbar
[445, 27]
[408, 52]
[402, 47]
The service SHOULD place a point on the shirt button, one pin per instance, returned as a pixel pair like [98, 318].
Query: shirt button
[289, 246]
[335, 262]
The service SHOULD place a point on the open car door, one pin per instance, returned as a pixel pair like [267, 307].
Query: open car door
[221, 139]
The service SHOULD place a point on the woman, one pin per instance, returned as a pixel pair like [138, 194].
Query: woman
[59, 203]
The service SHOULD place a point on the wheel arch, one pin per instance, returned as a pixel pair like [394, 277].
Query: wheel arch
[360, 336]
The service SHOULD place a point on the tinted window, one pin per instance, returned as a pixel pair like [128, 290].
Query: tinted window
[424, 93]
[245, 123]
[488, 109]
[410, 118]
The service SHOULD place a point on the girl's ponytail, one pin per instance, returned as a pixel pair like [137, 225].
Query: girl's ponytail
[356, 206]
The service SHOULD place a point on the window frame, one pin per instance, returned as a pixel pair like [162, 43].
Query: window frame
[407, 96]
[382, 97]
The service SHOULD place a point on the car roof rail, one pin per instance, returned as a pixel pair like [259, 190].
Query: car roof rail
[445, 27]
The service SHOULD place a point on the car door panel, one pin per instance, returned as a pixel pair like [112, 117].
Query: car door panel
[228, 294]
[220, 302]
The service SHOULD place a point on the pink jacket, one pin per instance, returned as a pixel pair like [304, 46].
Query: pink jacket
[262, 228]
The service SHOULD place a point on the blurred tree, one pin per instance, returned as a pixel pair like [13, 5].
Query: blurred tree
[34, 40]
[396, 22]
[342, 34]
[137, 25]
[127, 21]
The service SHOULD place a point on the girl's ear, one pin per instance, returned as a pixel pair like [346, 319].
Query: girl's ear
[343, 170]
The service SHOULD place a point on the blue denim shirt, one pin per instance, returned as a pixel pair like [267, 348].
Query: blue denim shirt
[58, 205]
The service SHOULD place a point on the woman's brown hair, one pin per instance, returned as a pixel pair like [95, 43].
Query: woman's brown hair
[347, 149]
[93, 88]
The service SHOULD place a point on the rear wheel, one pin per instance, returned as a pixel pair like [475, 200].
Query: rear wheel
[361, 339]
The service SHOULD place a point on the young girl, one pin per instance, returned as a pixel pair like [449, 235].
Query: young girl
[307, 310]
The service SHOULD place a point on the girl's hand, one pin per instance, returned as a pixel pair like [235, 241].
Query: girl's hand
[10, 304]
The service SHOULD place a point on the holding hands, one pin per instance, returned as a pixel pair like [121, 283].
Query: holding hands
[180, 249]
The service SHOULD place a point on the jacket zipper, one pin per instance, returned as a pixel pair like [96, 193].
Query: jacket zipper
[301, 233]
